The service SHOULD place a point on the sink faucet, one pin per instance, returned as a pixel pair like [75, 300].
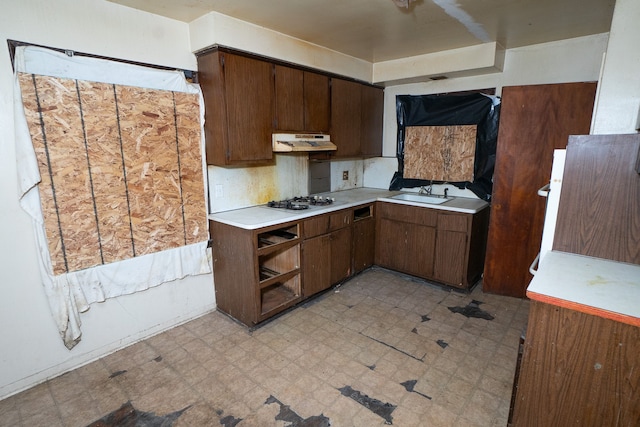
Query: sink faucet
[446, 190]
[426, 191]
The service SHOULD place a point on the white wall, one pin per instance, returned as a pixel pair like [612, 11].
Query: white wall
[618, 105]
[31, 347]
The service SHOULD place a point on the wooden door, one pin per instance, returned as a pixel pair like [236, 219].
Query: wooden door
[534, 120]
[317, 102]
[340, 255]
[371, 122]
[316, 260]
[289, 98]
[249, 98]
[346, 111]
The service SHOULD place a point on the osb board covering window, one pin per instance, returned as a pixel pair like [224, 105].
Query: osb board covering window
[440, 153]
[120, 166]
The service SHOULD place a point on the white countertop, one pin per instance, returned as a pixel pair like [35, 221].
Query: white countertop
[595, 286]
[263, 216]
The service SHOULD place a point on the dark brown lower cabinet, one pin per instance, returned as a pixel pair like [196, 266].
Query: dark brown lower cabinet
[364, 238]
[447, 247]
[316, 256]
[577, 370]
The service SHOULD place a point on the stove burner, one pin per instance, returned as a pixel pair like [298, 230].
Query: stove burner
[300, 202]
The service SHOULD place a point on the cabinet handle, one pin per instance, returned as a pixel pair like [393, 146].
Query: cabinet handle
[533, 270]
[544, 191]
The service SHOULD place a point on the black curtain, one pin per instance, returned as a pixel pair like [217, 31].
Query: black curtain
[446, 110]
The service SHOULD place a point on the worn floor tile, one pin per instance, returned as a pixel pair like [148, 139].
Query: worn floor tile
[381, 349]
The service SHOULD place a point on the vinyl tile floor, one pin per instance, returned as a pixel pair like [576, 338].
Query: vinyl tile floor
[381, 349]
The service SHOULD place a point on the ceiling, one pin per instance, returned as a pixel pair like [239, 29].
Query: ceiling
[379, 30]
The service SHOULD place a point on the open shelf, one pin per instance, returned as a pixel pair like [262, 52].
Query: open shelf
[280, 295]
[278, 236]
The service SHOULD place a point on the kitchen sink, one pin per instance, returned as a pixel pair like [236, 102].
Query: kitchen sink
[421, 198]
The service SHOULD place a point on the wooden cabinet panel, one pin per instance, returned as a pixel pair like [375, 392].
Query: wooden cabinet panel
[356, 118]
[239, 107]
[371, 122]
[577, 370]
[363, 250]
[450, 257]
[599, 213]
[317, 102]
[340, 219]
[340, 255]
[315, 226]
[405, 213]
[534, 120]
[391, 241]
[302, 100]
[448, 247]
[289, 98]
[316, 257]
[420, 249]
[346, 112]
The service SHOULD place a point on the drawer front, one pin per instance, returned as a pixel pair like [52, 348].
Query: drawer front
[315, 226]
[340, 219]
[453, 222]
[410, 214]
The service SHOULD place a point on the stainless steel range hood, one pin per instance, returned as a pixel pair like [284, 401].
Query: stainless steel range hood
[301, 142]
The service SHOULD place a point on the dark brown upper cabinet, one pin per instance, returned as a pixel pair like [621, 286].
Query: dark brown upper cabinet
[356, 119]
[302, 100]
[239, 107]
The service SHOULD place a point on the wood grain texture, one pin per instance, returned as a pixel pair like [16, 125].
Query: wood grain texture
[346, 111]
[534, 120]
[289, 83]
[577, 369]
[440, 153]
[372, 121]
[107, 166]
[317, 102]
[599, 212]
[121, 169]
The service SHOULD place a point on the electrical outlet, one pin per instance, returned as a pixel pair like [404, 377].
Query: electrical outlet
[219, 192]
[345, 175]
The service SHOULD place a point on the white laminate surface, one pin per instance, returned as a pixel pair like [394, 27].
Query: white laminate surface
[262, 216]
[593, 282]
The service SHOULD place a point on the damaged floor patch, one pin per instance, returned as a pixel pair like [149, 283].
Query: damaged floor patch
[409, 386]
[379, 408]
[472, 310]
[287, 415]
[127, 415]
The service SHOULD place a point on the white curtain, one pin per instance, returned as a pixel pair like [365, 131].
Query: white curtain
[72, 293]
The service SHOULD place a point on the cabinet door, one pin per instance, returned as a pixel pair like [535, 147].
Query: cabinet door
[346, 112]
[317, 102]
[249, 98]
[340, 255]
[363, 244]
[450, 257]
[316, 261]
[289, 98]
[372, 119]
[391, 243]
[419, 251]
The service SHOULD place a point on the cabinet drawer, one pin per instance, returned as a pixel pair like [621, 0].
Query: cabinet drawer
[315, 226]
[341, 219]
[410, 214]
[453, 222]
